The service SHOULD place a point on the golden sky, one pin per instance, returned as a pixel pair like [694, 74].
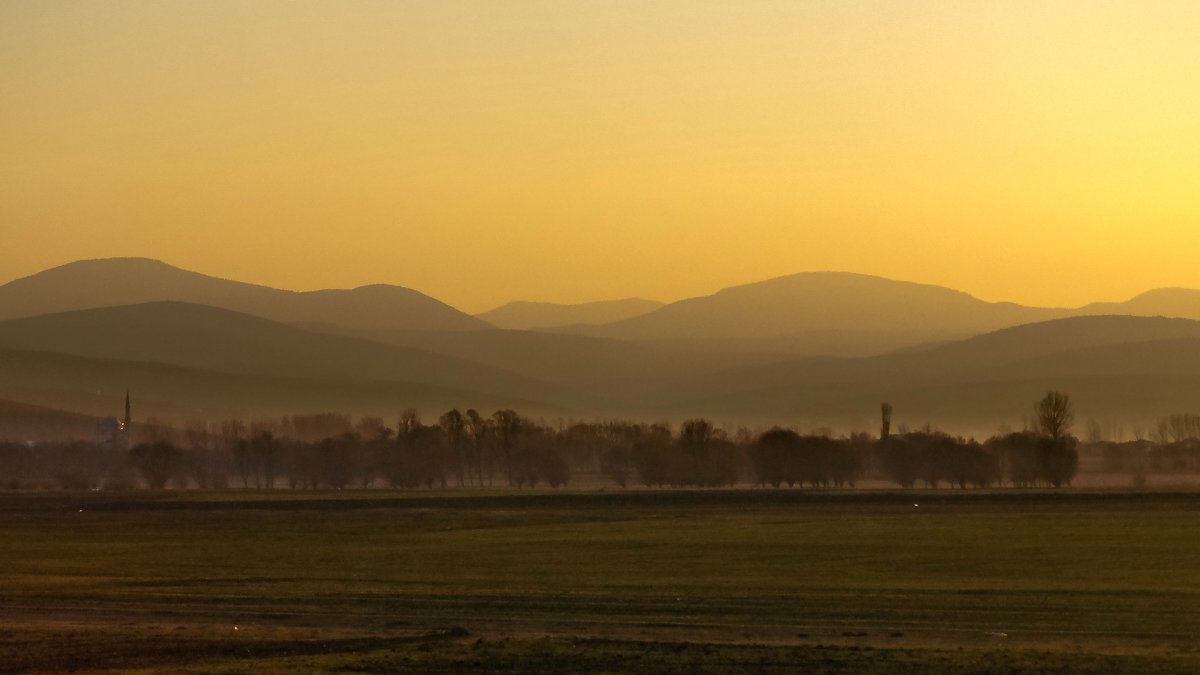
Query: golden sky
[1042, 152]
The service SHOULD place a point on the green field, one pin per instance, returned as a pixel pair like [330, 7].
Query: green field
[698, 581]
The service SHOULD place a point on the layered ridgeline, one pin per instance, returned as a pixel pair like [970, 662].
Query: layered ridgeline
[248, 356]
[123, 281]
[810, 349]
[1118, 368]
[828, 306]
[1176, 302]
[844, 314]
[177, 394]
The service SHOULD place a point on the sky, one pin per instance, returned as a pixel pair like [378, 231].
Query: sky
[1043, 152]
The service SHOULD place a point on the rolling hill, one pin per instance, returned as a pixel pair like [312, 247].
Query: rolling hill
[523, 315]
[24, 422]
[1120, 366]
[952, 360]
[824, 302]
[807, 314]
[619, 370]
[1175, 302]
[968, 408]
[176, 394]
[825, 347]
[183, 360]
[843, 314]
[108, 282]
[219, 340]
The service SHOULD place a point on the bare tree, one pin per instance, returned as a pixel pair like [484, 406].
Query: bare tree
[886, 427]
[506, 425]
[410, 420]
[477, 428]
[454, 428]
[1054, 414]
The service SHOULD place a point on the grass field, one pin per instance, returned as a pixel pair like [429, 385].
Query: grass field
[711, 581]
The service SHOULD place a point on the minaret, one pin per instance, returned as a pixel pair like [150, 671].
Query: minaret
[128, 420]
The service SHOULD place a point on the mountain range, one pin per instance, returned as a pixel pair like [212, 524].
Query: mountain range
[88, 284]
[823, 302]
[817, 349]
[1117, 367]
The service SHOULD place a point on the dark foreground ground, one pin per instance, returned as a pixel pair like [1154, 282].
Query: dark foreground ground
[728, 581]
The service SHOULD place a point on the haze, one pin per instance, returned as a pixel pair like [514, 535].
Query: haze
[1042, 153]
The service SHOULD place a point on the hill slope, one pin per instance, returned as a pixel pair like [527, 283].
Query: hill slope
[952, 360]
[843, 314]
[1174, 302]
[1120, 366]
[618, 370]
[24, 422]
[823, 302]
[122, 281]
[97, 387]
[208, 338]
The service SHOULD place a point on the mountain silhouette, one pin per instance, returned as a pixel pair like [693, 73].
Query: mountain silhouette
[818, 346]
[108, 282]
[176, 393]
[806, 314]
[838, 313]
[214, 339]
[1097, 358]
[824, 302]
[1176, 302]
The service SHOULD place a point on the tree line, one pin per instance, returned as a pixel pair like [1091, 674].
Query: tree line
[504, 449]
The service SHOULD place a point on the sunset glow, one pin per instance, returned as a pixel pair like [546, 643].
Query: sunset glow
[1039, 152]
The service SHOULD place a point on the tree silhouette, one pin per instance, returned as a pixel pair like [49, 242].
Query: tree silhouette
[262, 453]
[772, 457]
[506, 428]
[616, 457]
[454, 428]
[477, 428]
[1054, 414]
[1058, 460]
[656, 458]
[155, 461]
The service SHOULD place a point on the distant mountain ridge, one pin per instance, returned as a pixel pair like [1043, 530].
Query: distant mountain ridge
[1172, 302]
[526, 315]
[810, 313]
[192, 361]
[177, 393]
[821, 346]
[1120, 366]
[89, 284]
[812, 302]
[951, 361]
[814, 311]
[220, 340]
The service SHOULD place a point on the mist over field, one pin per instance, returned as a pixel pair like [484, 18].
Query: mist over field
[846, 398]
[600, 337]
